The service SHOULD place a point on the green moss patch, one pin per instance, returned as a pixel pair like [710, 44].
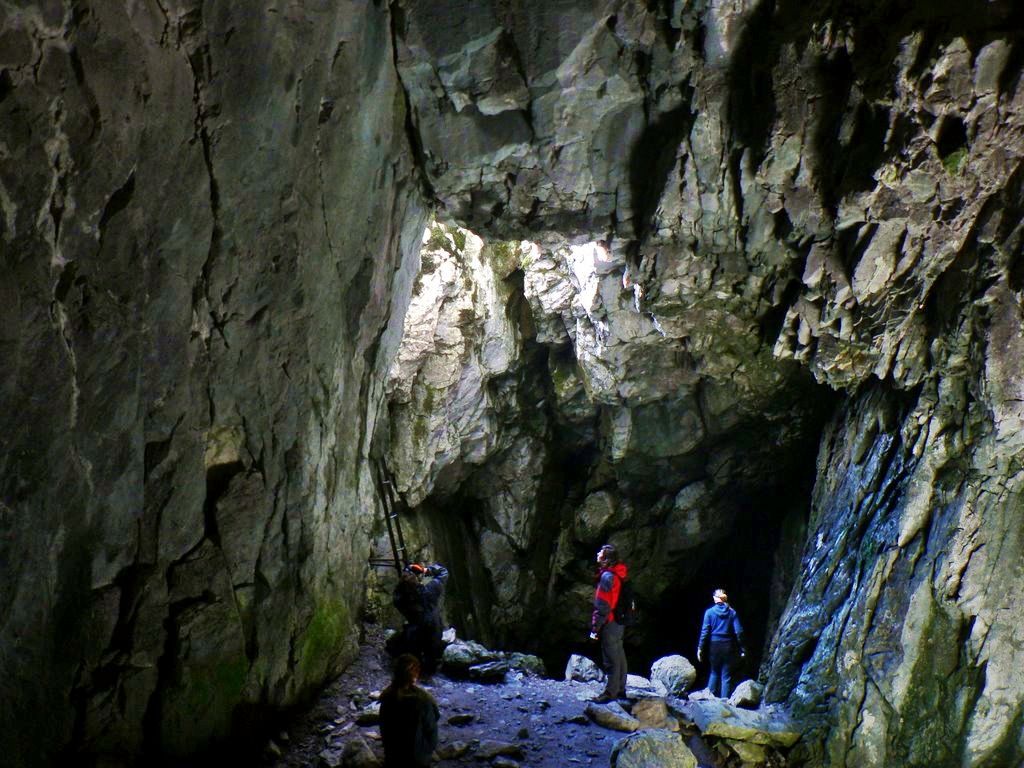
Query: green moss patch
[324, 639]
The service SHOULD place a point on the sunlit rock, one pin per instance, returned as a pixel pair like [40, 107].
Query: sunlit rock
[583, 669]
[652, 749]
[675, 673]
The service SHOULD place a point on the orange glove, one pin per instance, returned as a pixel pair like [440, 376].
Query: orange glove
[416, 568]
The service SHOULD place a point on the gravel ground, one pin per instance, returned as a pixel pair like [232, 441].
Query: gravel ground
[543, 718]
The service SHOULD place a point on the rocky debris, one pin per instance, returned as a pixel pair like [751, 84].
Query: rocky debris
[747, 695]
[718, 718]
[613, 716]
[675, 673]
[369, 715]
[454, 750]
[488, 750]
[583, 669]
[652, 749]
[358, 754]
[469, 659]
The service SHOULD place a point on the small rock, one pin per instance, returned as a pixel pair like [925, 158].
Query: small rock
[463, 719]
[453, 751]
[640, 686]
[329, 758]
[357, 754]
[613, 717]
[747, 752]
[272, 749]
[523, 733]
[504, 762]
[703, 695]
[652, 713]
[370, 715]
[488, 750]
[528, 663]
[747, 694]
[583, 669]
[489, 672]
[577, 720]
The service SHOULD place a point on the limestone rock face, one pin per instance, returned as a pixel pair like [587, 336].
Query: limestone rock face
[202, 288]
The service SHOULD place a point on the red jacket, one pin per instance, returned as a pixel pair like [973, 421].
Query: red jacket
[606, 597]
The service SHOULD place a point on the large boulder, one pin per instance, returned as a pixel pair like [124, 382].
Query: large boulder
[675, 672]
[653, 749]
[717, 718]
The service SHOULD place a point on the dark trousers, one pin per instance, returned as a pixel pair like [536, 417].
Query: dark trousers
[614, 659]
[722, 658]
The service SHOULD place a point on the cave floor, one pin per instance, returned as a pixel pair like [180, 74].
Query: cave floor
[543, 717]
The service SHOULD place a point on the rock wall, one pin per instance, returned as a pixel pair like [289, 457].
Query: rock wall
[202, 290]
[210, 215]
[836, 186]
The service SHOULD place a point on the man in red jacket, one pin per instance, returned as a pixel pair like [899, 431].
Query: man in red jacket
[603, 625]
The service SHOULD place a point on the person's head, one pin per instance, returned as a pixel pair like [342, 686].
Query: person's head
[406, 671]
[607, 555]
[720, 596]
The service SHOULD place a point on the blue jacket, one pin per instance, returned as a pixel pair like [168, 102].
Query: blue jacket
[721, 624]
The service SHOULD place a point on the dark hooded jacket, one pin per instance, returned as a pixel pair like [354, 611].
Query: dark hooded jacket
[408, 726]
[721, 624]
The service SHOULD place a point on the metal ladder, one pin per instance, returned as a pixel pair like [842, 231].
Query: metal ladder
[386, 492]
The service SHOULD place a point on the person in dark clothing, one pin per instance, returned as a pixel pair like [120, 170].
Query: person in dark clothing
[611, 574]
[408, 718]
[420, 606]
[721, 636]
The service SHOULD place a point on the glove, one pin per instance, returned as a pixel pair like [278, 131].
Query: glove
[416, 568]
[743, 654]
[593, 635]
[700, 656]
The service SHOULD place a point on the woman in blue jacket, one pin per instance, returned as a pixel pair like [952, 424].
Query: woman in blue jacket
[721, 636]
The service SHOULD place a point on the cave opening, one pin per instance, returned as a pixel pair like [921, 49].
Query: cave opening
[527, 466]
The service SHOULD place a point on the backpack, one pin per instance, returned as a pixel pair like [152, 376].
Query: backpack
[627, 611]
